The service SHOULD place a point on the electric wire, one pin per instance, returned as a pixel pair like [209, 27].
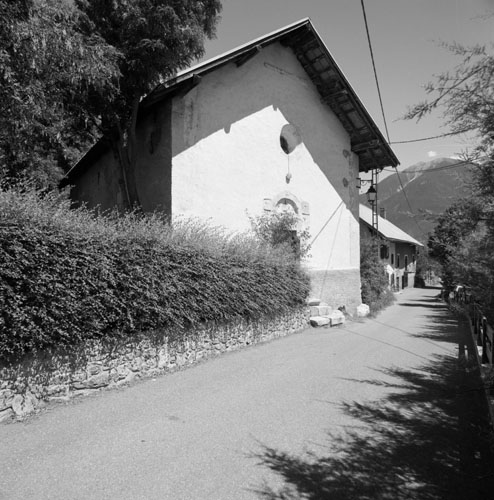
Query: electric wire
[382, 111]
[386, 125]
[325, 224]
[374, 67]
[431, 137]
[335, 237]
[433, 169]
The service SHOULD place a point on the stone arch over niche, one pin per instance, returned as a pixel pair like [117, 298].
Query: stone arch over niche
[287, 205]
[290, 201]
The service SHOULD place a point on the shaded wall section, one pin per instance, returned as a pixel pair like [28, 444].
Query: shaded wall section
[101, 185]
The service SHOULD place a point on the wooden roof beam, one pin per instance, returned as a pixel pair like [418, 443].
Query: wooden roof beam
[365, 146]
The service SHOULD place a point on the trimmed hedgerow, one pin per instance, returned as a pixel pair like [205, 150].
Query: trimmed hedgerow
[71, 275]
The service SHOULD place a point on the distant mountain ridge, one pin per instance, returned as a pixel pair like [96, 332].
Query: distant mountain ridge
[431, 187]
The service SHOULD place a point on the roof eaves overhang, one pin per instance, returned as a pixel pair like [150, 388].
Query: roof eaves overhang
[367, 142]
[390, 238]
[336, 92]
[409, 242]
[366, 139]
[239, 56]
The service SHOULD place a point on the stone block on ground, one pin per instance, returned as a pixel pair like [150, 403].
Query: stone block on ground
[363, 311]
[336, 318]
[321, 310]
[319, 321]
[313, 301]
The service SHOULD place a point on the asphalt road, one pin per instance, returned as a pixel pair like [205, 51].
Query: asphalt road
[383, 408]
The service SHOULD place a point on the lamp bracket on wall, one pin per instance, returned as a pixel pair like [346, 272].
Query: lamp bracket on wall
[362, 182]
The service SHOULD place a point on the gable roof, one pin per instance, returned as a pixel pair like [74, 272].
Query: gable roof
[386, 229]
[335, 90]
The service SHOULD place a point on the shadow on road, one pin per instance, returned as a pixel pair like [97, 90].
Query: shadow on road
[426, 440]
[432, 302]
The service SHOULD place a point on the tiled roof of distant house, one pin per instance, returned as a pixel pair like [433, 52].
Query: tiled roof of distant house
[386, 228]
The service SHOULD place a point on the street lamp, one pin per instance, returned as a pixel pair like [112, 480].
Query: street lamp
[372, 195]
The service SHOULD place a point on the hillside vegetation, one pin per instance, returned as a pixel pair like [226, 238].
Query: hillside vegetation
[72, 275]
[431, 187]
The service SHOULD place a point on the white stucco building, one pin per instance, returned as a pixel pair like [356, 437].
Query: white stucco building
[398, 250]
[273, 122]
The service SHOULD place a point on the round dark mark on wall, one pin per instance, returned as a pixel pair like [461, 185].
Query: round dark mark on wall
[290, 138]
[345, 182]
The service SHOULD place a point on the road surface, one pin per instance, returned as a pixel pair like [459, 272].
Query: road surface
[382, 408]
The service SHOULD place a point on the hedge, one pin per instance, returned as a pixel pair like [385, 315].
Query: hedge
[374, 282]
[68, 276]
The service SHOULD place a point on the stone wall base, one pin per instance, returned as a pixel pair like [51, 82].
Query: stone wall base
[58, 375]
[337, 288]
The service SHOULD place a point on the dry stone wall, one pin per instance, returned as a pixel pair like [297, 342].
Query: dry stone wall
[59, 375]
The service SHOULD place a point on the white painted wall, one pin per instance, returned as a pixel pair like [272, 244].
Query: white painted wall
[226, 154]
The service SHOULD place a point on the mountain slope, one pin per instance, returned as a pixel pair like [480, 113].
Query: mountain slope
[431, 187]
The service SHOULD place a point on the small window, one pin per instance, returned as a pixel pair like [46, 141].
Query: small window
[392, 259]
[406, 262]
[397, 260]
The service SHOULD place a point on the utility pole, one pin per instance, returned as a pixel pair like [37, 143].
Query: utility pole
[375, 212]
[372, 199]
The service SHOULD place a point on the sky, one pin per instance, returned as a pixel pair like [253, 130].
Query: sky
[406, 37]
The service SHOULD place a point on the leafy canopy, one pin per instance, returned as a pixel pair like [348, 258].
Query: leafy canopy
[155, 38]
[463, 240]
[49, 70]
[71, 72]
[465, 94]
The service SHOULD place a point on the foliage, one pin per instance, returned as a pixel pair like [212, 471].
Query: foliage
[279, 230]
[455, 223]
[155, 38]
[49, 70]
[375, 290]
[425, 266]
[73, 71]
[463, 243]
[465, 94]
[70, 275]
[463, 240]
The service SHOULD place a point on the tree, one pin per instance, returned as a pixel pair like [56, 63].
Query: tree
[426, 268]
[454, 229]
[49, 70]
[456, 223]
[72, 72]
[465, 94]
[463, 240]
[155, 38]
[374, 282]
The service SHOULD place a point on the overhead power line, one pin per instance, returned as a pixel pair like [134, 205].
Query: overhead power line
[433, 169]
[383, 114]
[374, 67]
[431, 137]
